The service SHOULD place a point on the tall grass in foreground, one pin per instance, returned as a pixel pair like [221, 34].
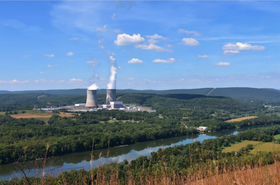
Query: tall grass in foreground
[240, 170]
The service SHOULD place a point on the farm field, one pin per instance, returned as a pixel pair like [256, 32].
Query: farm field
[238, 146]
[40, 115]
[266, 147]
[277, 136]
[241, 119]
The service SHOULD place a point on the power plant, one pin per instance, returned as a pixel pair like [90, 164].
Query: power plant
[111, 96]
[91, 99]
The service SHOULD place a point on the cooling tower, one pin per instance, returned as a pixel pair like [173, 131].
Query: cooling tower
[91, 99]
[111, 96]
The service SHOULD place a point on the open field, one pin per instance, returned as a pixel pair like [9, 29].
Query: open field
[238, 146]
[40, 115]
[277, 136]
[2, 113]
[241, 119]
[266, 147]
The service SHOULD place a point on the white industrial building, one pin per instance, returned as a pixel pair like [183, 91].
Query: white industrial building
[80, 105]
[201, 128]
[116, 104]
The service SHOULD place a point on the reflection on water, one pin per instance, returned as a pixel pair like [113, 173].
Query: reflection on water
[56, 165]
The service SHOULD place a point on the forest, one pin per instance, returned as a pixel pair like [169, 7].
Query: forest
[182, 160]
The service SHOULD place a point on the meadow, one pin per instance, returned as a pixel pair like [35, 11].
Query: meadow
[238, 146]
[241, 119]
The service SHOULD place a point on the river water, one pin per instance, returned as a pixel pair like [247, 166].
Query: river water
[56, 165]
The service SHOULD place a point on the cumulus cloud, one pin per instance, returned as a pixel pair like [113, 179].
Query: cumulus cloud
[100, 43]
[92, 62]
[202, 56]
[102, 29]
[222, 64]
[49, 55]
[135, 61]
[70, 54]
[153, 47]
[114, 16]
[189, 32]
[125, 39]
[190, 41]
[156, 36]
[170, 60]
[236, 48]
[168, 45]
[52, 66]
[75, 80]
[14, 81]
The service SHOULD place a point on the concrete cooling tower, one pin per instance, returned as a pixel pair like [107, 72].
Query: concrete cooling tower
[111, 96]
[91, 99]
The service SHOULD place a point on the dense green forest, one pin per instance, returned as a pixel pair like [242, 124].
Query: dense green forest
[183, 160]
[28, 138]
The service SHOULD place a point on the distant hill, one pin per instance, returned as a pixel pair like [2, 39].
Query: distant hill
[257, 95]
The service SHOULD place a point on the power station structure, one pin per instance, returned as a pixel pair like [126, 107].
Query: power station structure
[111, 96]
[91, 99]
[111, 102]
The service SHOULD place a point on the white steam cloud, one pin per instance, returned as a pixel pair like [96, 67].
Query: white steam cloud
[113, 71]
[93, 87]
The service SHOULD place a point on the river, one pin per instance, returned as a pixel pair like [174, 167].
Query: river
[56, 165]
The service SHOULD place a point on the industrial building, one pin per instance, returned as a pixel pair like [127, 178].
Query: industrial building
[116, 104]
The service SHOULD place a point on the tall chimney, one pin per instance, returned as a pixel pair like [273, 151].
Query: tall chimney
[111, 96]
[91, 99]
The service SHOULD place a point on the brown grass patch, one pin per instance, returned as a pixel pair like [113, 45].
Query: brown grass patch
[266, 147]
[241, 119]
[40, 116]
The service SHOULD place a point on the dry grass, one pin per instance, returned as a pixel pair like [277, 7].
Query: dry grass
[237, 147]
[40, 116]
[266, 147]
[241, 119]
[267, 175]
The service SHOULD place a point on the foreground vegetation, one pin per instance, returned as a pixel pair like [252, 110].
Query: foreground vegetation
[185, 164]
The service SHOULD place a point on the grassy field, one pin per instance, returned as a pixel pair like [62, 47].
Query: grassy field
[266, 147]
[238, 146]
[241, 119]
[2, 113]
[277, 136]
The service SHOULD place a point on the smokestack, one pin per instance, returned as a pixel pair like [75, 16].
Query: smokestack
[91, 99]
[111, 96]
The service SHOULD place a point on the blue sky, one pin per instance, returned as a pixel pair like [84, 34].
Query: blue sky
[157, 45]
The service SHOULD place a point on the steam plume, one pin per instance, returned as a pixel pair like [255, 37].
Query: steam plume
[113, 71]
[93, 87]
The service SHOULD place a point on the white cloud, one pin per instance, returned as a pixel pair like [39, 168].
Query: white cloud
[74, 38]
[18, 25]
[100, 43]
[114, 16]
[153, 47]
[92, 62]
[102, 29]
[170, 60]
[202, 56]
[14, 82]
[125, 39]
[70, 54]
[117, 31]
[49, 55]
[130, 78]
[168, 45]
[41, 72]
[156, 36]
[52, 66]
[75, 80]
[236, 48]
[222, 64]
[152, 41]
[266, 77]
[135, 61]
[189, 32]
[190, 41]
